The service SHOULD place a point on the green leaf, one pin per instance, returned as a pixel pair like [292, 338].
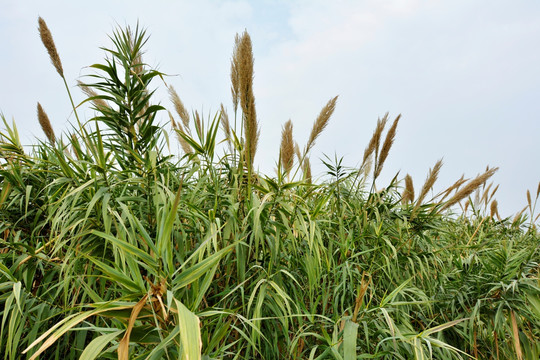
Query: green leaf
[190, 333]
[350, 334]
[94, 348]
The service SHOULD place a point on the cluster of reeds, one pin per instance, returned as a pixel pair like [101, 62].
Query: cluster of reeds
[112, 248]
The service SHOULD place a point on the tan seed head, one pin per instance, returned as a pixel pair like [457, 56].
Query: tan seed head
[287, 147]
[48, 41]
[45, 124]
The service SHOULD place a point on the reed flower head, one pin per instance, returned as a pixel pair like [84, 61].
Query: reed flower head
[494, 209]
[307, 170]
[179, 132]
[226, 125]
[373, 146]
[321, 122]
[471, 186]
[45, 124]
[430, 180]
[242, 82]
[179, 107]
[408, 193]
[287, 147]
[390, 136]
[235, 77]
[48, 41]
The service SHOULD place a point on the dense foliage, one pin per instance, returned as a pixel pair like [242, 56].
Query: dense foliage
[113, 247]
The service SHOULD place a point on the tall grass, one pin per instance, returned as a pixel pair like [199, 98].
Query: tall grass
[112, 247]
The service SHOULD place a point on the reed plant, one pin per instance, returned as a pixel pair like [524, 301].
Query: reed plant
[111, 247]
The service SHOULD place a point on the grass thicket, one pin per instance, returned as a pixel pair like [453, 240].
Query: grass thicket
[113, 247]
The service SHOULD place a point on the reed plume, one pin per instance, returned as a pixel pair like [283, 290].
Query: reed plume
[408, 193]
[179, 131]
[88, 91]
[48, 41]
[469, 188]
[45, 124]
[307, 170]
[321, 122]
[287, 147]
[235, 77]
[179, 107]
[453, 187]
[388, 141]
[198, 124]
[430, 180]
[494, 209]
[373, 146]
[493, 192]
[225, 124]
[485, 195]
[242, 72]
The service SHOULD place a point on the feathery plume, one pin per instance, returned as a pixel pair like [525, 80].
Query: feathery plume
[430, 180]
[88, 91]
[485, 194]
[198, 123]
[467, 204]
[243, 58]
[224, 117]
[178, 131]
[495, 209]
[45, 124]
[538, 190]
[529, 199]
[307, 170]
[179, 107]
[468, 189]
[321, 122]
[388, 141]
[408, 193]
[235, 65]
[453, 187]
[373, 146]
[493, 193]
[48, 41]
[287, 147]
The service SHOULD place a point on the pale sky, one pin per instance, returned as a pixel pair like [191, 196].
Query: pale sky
[465, 75]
